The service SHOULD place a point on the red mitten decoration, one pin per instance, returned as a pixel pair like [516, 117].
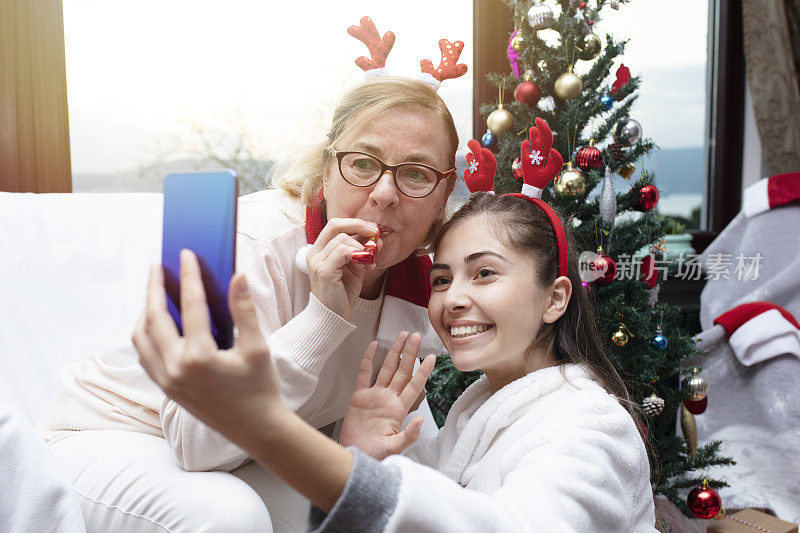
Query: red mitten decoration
[481, 168]
[540, 161]
[379, 47]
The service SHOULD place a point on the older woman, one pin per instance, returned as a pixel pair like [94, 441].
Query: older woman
[388, 164]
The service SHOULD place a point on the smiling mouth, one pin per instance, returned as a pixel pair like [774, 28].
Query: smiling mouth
[462, 332]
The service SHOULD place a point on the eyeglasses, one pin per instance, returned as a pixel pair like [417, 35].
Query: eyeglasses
[412, 179]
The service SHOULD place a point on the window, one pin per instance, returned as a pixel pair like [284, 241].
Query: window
[668, 49]
[156, 87]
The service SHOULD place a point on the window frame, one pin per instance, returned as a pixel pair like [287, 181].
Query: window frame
[725, 126]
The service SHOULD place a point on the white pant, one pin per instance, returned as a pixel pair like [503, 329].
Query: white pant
[34, 496]
[130, 482]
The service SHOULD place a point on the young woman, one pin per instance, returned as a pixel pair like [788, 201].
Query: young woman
[139, 460]
[543, 441]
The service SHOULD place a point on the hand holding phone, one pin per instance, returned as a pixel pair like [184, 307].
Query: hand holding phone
[200, 215]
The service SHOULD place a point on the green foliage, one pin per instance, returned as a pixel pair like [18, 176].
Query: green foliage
[445, 385]
[574, 123]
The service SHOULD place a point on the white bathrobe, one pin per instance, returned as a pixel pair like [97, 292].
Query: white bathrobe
[541, 454]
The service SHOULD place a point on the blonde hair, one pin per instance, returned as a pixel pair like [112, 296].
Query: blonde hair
[301, 175]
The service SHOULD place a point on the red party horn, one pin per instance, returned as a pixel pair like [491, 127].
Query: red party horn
[367, 255]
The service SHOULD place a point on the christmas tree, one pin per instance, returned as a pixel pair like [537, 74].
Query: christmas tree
[589, 117]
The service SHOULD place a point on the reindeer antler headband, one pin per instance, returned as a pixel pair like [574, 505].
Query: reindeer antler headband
[379, 48]
[540, 164]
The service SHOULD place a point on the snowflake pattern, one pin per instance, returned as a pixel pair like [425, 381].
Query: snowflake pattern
[473, 166]
[536, 157]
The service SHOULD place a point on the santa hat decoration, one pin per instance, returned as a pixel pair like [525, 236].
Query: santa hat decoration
[758, 331]
[379, 48]
[540, 164]
[774, 191]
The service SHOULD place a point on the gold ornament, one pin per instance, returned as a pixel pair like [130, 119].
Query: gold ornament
[500, 121]
[696, 386]
[570, 183]
[518, 42]
[620, 338]
[589, 47]
[568, 86]
[689, 428]
[626, 170]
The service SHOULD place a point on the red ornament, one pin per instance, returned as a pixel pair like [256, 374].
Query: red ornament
[623, 77]
[704, 502]
[516, 169]
[582, 5]
[648, 198]
[527, 92]
[696, 407]
[643, 431]
[590, 23]
[608, 265]
[589, 157]
[649, 271]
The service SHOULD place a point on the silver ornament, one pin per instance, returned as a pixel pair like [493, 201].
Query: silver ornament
[540, 17]
[608, 199]
[614, 4]
[627, 132]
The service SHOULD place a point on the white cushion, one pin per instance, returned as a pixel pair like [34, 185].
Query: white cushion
[73, 273]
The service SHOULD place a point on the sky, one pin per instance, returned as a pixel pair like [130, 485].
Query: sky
[141, 77]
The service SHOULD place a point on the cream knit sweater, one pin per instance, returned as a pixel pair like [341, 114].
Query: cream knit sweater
[317, 353]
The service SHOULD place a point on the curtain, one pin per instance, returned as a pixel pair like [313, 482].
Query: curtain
[34, 130]
[772, 61]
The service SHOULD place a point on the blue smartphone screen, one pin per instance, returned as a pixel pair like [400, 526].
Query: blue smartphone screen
[200, 214]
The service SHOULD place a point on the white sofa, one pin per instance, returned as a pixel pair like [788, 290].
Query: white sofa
[72, 281]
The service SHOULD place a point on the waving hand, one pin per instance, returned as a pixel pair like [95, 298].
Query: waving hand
[374, 417]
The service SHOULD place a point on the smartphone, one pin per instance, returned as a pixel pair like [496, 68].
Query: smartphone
[200, 214]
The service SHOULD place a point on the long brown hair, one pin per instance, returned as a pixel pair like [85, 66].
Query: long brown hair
[573, 337]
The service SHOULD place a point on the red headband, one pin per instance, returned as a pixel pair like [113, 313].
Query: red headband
[540, 164]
